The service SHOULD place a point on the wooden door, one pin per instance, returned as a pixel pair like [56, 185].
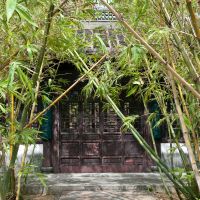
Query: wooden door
[91, 138]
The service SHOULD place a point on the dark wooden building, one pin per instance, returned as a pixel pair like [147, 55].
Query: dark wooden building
[88, 138]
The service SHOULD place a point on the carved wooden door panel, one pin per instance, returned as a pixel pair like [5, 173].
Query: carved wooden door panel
[91, 139]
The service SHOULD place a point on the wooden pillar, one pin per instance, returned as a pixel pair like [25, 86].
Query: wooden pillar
[47, 159]
[56, 140]
[51, 148]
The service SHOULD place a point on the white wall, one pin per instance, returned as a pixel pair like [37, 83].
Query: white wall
[37, 158]
[165, 154]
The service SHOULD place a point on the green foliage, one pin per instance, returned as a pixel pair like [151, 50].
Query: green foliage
[130, 70]
[23, 32]
[24, 13]
[10, 8]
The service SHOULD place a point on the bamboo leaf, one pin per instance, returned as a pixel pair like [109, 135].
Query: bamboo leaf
[46, 99]
[187, 122]
[24, 79]
[2, 108]
[17, 94]
[42, 179]
[133, 91]
[103, 46]
[10, 8]
[160, 122]
[11, 74]
[151, 117]
[25, 14]
[28, 136]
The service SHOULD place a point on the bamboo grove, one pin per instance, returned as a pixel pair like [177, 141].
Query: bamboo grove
[160, 60]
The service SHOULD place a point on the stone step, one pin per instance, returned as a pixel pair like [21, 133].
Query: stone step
[57, 184]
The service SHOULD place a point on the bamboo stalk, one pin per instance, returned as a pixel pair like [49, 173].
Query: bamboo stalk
[30, 161]
[194, 136]
[20, 174]
[42, 112]
[179, 15]
[196, 143]
[44, 44]
[156, 152]
[12, 132]
[193, 18]
[7, 183]
[185, 132]
[194, 74]
[36, 82]
[163, 106]
[173, 135]
[182, 155]
[12, 124]
[26, 146]
[2, 157]
[177, 182]
[171, 130]
[65, 92]
[152, 50]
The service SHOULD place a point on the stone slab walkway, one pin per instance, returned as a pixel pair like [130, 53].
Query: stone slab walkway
[106, 186]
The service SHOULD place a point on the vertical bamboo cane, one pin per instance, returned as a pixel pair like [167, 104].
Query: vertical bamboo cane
[12, 125]
[36, 83]
[167, 190]
[188, 61]
[152, 50]
[12, 132]
[194, 137]
[185, 132]
[193, 18]
[171, 130]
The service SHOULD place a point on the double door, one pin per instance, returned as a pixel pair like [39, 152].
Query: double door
[92, 139]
